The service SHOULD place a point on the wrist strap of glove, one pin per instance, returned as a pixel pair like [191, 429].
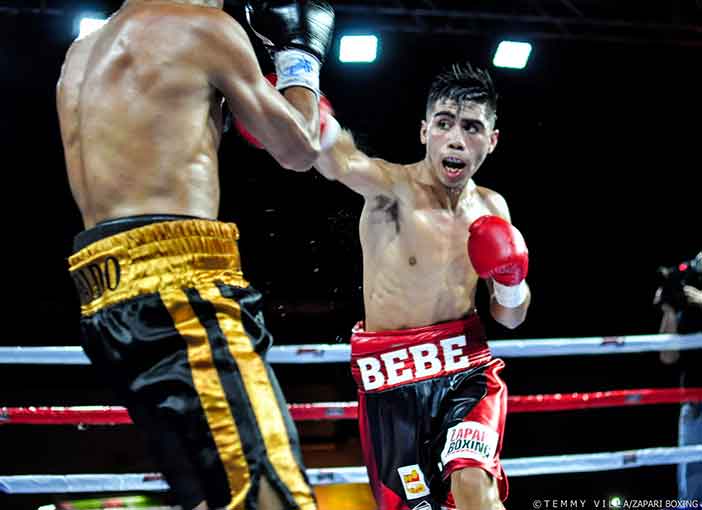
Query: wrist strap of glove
[297, 68]
[510, 296]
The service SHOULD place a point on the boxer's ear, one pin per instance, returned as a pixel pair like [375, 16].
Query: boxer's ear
[494, 137]
[423, 132]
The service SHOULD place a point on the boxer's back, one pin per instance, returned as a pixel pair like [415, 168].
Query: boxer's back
[139, 120]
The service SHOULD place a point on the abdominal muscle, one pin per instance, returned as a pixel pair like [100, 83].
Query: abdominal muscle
[421, 286]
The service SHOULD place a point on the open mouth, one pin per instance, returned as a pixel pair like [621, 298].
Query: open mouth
[453, 166]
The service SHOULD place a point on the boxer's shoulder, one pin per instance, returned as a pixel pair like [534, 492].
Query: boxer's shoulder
[168, 21]
[74, 64]
[493, 201]
[393, 175]
[396, 171]
[482, 191]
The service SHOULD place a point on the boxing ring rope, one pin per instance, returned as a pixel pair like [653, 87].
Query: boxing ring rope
[530, 466]
[321, 353]
[326, 411]
[338, 353]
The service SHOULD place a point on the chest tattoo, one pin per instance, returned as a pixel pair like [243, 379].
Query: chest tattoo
[388, 209]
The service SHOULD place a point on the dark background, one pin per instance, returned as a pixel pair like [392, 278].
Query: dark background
[598, 159]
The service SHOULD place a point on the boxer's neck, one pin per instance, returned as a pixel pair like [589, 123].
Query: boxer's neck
[448, 196]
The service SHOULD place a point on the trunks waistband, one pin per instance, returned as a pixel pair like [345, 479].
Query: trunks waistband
[150, 258]
[115, 226]
[376, 342]
[386, 359]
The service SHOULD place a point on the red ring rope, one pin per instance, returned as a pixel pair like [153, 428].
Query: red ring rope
[106, 415]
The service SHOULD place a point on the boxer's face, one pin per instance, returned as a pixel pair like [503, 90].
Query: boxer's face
[458, 138]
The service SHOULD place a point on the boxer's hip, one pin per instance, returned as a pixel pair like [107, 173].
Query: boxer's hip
[122, 259]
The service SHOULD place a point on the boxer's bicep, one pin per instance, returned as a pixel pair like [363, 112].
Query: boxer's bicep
[280, 128]
[256, 104]
[345, 163]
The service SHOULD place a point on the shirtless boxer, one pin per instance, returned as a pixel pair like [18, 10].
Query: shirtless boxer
[432, 405]
[166, 313]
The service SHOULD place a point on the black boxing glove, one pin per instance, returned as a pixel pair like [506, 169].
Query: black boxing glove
[297, 33]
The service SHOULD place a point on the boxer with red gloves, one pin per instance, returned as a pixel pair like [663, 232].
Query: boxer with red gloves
[432, 405]
[498, 252]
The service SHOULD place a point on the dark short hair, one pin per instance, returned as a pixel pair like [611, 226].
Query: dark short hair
[463, 82]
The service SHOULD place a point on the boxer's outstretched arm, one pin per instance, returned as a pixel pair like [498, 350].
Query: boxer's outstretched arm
[345, 163]
[508, 317]
[288, 127]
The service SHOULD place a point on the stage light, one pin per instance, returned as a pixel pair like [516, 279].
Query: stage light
[89, 24]
[512, 54]
[358, 48]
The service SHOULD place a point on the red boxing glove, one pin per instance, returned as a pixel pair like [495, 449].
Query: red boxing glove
[246, 134]
[497, 250]
[328, 126]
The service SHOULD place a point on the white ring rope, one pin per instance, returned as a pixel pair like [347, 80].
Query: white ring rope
[529, 466]
[338, 353]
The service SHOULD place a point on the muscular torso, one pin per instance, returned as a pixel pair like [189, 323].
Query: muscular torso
[139, 120]
[416, 266]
